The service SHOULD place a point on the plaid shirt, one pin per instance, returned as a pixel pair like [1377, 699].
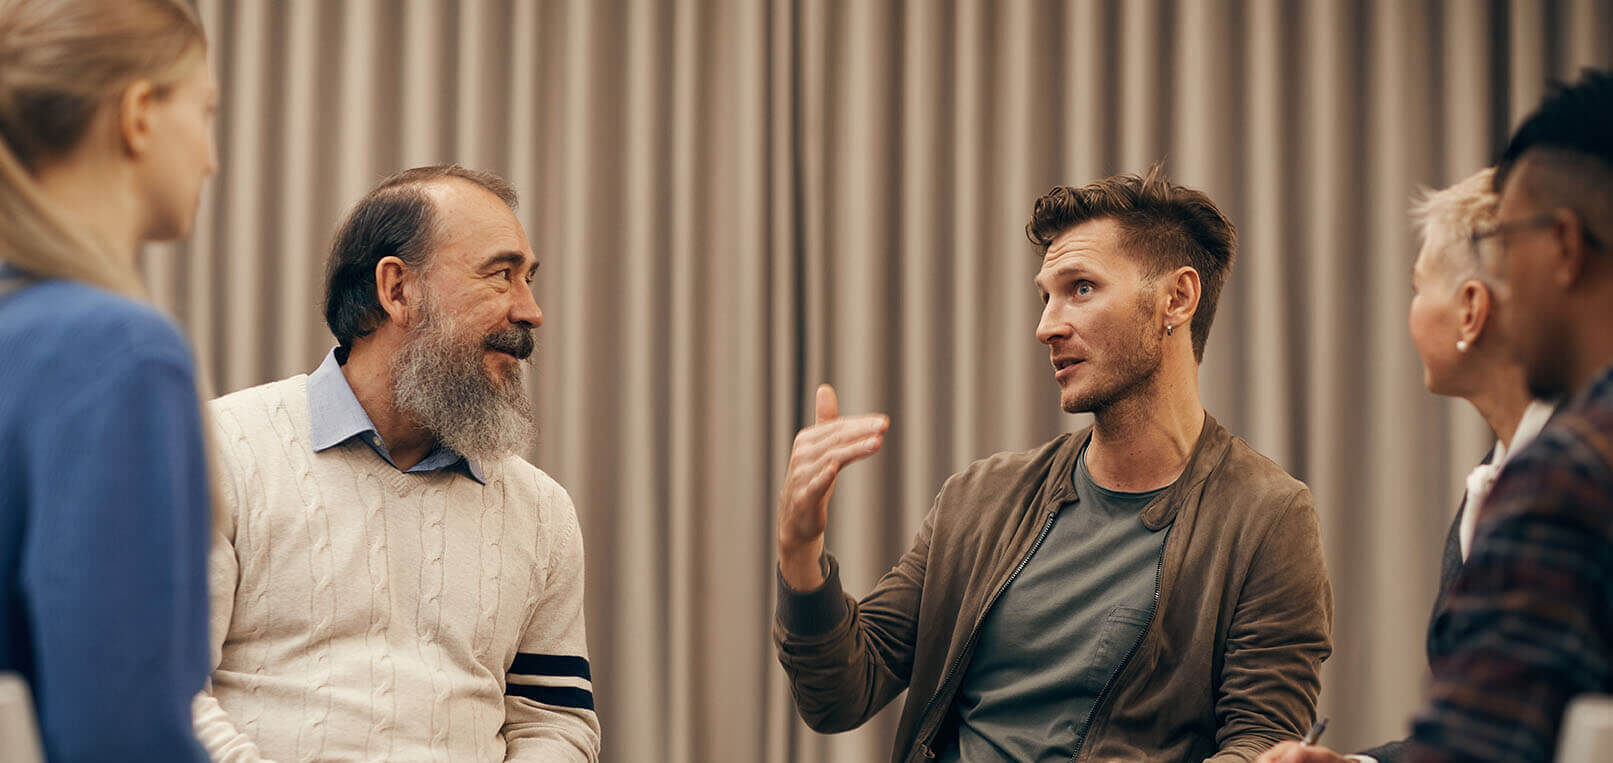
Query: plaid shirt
[1528, 623]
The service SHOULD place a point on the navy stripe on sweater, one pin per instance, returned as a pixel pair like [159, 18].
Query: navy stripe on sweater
[558, 696]
[550, 665]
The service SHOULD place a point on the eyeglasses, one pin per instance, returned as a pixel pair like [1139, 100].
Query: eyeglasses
[1489, 246]
[1489, 243]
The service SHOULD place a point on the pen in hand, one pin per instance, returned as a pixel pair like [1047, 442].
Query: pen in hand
[1315, 734]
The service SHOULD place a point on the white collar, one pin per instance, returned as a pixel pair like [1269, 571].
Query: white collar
[1534, 419]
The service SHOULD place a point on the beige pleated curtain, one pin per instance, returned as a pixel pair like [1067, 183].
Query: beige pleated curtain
[736, 199]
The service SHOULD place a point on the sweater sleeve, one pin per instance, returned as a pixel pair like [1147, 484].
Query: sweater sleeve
[113, 574]
[548, 697]
[224, 742]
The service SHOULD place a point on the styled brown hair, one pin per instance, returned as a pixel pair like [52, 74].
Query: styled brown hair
[1166, 225]
[61, 61]
[395, 219]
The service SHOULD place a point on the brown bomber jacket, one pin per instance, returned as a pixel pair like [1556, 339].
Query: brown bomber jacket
[1228, 666]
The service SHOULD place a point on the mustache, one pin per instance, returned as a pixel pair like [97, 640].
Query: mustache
[515, 341]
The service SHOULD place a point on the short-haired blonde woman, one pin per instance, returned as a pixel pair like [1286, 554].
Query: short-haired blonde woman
[1453, 324]
[105, 141]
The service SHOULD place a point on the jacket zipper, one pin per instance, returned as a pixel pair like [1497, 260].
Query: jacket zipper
[1103, 693]
[975, 632]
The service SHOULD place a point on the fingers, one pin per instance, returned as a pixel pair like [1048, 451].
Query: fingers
[817, 466]
[819, 453]
[855, 450]
[828, 404]
[837, 431]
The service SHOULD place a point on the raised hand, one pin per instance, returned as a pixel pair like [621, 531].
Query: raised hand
[820, 452]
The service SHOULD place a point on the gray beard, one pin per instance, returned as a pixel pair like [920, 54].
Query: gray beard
[439, 380]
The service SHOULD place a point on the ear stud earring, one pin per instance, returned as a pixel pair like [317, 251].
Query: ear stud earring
[1461, 345]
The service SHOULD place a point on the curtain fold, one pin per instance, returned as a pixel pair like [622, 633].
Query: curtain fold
[735, 200]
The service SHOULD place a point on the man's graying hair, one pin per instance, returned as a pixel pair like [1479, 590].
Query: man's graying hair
[396, 219]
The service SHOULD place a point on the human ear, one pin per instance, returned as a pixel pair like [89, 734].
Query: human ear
[1569, 230]
[134, 122]
[1474, 310]
[396, 289]
[1182, 291]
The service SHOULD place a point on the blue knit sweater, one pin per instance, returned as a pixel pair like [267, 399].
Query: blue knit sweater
[103, 523]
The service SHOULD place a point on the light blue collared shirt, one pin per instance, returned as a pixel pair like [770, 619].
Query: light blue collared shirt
[335, 416]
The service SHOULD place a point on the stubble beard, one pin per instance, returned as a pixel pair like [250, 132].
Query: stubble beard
[1130, 370]
[440, 381]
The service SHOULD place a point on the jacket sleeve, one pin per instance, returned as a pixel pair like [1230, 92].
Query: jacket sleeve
[1525, 626]
[1279, 635]
[847, 659]
[549, 693]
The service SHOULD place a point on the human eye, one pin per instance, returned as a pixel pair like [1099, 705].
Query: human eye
[501, 276]
[1084, 288]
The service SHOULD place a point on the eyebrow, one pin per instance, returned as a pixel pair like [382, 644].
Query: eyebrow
[1061, 272]
[513, 259]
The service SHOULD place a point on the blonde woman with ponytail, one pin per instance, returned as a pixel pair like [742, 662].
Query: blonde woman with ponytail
[105, 142]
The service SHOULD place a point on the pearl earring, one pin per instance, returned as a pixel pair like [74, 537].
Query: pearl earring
[1461, 345]
[1170, 330]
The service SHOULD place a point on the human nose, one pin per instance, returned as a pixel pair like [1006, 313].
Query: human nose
[525, 311]
[1052, 327]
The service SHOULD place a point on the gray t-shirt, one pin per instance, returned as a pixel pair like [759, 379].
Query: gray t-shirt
[1060, 631]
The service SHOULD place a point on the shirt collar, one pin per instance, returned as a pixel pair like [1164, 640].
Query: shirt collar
[336, 416]
[1534, 419]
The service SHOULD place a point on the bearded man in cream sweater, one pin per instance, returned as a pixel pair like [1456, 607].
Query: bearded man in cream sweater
[389, 580]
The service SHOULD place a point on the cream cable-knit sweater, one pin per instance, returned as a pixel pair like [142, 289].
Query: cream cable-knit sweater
[360, 613]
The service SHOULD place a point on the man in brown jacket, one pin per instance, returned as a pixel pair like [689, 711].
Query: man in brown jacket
[1148, 589]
